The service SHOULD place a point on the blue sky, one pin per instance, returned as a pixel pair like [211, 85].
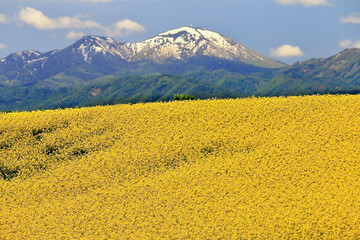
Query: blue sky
[286, 30]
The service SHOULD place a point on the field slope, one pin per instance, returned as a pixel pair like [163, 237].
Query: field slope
[255, 168]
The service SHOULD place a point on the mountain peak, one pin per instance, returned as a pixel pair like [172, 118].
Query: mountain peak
[187, 42]
[94, 38]
[197, 33]
[91, 45]
[96, 41]
[185, 29]
[24, 55]
[349, 51]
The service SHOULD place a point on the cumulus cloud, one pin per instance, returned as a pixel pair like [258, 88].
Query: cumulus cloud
[307, 3]
[286, 51]
[40, 21]
[124, 28]
[2, 46]
[345, 43]
[3, 18]
[349, 44]
[356, 44]
[73, 34]
[351, 18]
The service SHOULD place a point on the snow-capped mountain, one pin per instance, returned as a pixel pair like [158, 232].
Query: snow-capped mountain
[179, 44]
[187, 42]
[90, 47]
[176, 51]
[23, 56]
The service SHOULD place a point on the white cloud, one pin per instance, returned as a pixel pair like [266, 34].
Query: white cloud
[352, 18]
[286, 51]
[349, 44]
[124, 28]
[40, 21]
[345, 43]
[356, 44]
[3, 18]
[307, 3]
[73, 34]
[2, 46]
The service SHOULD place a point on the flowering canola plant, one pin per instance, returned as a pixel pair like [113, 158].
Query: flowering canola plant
[254, 168]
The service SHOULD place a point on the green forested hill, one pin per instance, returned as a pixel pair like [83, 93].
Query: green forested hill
[337, 74]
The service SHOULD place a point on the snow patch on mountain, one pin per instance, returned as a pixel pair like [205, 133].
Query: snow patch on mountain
[41, 61]
[91, 46]
[186, 42]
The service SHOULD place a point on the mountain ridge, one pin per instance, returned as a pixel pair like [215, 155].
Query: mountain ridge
[99, 70]
[92, 56]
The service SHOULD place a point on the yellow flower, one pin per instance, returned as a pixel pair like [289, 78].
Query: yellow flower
[254, 168]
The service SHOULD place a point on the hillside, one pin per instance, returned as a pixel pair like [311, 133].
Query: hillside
[261, 168]
[130, 89]
[338, 73]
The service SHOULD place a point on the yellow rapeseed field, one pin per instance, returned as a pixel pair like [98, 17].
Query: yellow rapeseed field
[255, 168]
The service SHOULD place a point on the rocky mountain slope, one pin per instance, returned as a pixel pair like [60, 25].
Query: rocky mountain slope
[173, 52]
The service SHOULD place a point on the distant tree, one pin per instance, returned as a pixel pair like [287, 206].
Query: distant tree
[6, 111]
[182, 97]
